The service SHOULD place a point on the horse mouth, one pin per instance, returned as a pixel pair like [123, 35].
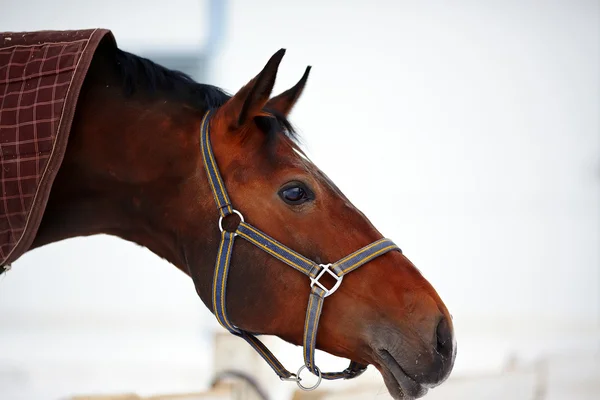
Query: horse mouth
[400, 385]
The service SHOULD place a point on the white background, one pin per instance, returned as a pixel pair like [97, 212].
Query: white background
[468, 132]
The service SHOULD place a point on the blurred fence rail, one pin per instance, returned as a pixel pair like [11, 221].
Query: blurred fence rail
[553, 377]
[235, 390]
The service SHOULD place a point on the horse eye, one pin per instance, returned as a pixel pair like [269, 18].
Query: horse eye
[295, 195]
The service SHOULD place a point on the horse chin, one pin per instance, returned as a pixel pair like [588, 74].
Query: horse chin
[400, 385]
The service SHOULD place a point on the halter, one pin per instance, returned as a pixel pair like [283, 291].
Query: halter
[314, 271]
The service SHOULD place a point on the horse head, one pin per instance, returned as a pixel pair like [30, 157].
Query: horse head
[385, 313]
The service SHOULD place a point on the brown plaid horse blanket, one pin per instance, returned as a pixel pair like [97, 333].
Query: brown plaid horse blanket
[41, 74]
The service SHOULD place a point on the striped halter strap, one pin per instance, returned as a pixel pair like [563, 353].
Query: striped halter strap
[314, 271]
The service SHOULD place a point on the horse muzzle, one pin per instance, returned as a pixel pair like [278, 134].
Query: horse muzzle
[412, 361]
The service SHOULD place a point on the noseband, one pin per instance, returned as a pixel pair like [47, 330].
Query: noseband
[314, 271]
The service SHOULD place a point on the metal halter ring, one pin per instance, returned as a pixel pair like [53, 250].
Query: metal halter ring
[309, 388]
[235, 212]
[315, 281]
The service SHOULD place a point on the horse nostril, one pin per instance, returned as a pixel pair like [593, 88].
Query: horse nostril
[444, 338]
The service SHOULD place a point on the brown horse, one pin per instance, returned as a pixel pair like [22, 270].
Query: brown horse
[134, 169]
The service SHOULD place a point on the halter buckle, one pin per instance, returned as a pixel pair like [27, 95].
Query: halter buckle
[325, 268]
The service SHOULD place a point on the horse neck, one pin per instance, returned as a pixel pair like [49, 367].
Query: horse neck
[126, 161]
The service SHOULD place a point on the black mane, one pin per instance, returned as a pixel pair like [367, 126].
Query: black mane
[141, 74]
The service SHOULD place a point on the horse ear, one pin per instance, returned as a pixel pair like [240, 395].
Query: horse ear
[250, 100]
[286, 100]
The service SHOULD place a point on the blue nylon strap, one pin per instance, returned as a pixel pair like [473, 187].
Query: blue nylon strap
[363, 256]
[277, 250]
[220, 280]
[311, 324]
[212, 170]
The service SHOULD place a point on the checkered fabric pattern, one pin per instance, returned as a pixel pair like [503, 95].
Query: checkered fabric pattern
[41, 74]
